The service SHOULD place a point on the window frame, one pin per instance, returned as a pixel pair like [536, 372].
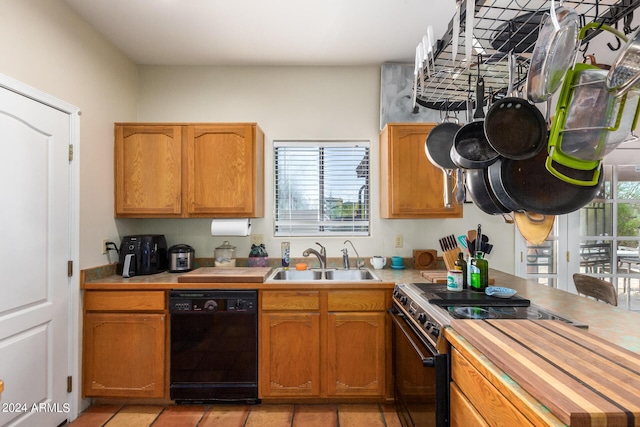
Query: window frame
[351, 228]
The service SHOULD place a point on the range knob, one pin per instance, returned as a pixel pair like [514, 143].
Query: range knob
[422, 318]
[403, 300]
[210, 305]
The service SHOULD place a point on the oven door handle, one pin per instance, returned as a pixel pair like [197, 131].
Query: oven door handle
[427, 362]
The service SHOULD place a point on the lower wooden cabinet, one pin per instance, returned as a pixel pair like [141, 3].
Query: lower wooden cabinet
[356, 354]
[124, 344]
[289, 354]
[489, 404]
[324, 344]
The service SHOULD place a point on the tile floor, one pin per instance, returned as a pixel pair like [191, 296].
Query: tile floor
[343, 415]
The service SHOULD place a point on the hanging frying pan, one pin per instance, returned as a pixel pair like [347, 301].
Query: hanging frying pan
[514, 127]
[477, 181]
[527, 183]
[470, 149]
[437, 148]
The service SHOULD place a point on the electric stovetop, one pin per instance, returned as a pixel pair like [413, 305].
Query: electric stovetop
[438, 295]
[478, 305]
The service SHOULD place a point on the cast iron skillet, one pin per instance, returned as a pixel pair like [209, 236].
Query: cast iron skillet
[482, 194]
[528, 184]
[514, 127]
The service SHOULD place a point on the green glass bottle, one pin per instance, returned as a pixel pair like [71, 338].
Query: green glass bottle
[479, 273]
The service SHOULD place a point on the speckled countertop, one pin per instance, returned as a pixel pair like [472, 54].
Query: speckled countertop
[610, 323]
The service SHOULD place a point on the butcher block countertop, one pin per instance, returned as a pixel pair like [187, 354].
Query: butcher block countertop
[582, 380]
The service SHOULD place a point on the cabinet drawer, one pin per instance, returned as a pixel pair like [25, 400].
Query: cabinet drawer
[124, 301]
[290, 300]
[357, 301]
[463, 413]
[496, 409]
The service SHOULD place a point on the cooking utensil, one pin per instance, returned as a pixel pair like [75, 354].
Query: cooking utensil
[553, 55]
[456, 33]
[514, 127]
[590, 122]
[471, 149]
[438, 148]
[460, 186]
[479, 114]
[470, 11]
[477, 181]
[535, 228]
[527, 184]
[624, 74]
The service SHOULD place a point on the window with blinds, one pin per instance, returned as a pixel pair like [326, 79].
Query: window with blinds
[321, 188]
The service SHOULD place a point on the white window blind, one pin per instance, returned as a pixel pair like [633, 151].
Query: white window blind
[321, 188]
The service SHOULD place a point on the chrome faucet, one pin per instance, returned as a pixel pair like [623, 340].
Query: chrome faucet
[359, 262]
[345, 258]
[322, 255]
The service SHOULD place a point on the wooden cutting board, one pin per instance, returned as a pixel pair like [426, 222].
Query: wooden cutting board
[582, 379]
[226, 275]
[440, 276]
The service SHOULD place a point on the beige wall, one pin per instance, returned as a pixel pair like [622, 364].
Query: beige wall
[47, 46]
[290, 103]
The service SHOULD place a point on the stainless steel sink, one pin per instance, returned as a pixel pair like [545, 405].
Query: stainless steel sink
[326, 275]
[350, 275]
[296, 275]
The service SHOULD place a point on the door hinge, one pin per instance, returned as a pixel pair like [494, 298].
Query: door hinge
[69, 268]
[70, 152]
[69, 384]
[568, 256]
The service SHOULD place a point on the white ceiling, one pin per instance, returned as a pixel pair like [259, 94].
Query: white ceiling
[266, 32]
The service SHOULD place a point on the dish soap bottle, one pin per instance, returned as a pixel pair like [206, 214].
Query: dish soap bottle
[479, 268]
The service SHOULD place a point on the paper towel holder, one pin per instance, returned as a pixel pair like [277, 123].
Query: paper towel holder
[231, 227]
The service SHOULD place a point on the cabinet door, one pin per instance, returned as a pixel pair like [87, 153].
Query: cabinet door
[124, 355]
[411, 186]
[226, 170]
[148, 171]
[289, 355]
[356, 354]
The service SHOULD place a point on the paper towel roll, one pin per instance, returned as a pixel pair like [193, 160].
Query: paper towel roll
[231, 227]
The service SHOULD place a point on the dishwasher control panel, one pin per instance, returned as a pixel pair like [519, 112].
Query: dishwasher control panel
[209, 301]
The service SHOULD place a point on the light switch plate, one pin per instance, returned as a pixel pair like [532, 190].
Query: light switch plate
[256, 239]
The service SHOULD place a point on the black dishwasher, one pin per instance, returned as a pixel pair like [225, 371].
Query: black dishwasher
[214, 346]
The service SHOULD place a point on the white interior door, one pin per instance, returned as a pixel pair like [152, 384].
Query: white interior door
[34, 251]
[554, 261]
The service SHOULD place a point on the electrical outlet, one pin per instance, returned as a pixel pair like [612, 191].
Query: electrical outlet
[399, 241]
[256, 239]
[104, 246]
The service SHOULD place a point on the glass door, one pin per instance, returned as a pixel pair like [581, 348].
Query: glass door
[602, 240]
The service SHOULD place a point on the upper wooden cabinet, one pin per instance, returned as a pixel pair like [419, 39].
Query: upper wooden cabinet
[410, 185]
[189, 170]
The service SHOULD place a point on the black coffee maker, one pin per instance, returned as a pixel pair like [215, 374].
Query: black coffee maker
[142, 254]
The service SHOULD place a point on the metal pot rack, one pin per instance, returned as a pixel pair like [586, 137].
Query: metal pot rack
[501, 26]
